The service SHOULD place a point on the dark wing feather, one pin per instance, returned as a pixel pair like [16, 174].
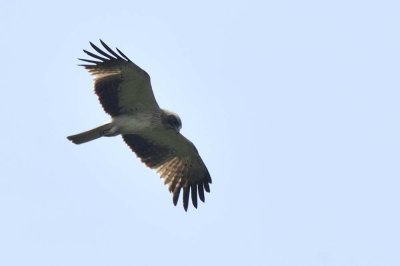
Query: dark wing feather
[176, 160]
[122, 86]
[102, 52]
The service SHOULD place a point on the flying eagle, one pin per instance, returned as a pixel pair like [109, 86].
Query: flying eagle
[125, 92]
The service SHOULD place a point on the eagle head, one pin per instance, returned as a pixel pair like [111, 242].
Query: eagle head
[171, 120]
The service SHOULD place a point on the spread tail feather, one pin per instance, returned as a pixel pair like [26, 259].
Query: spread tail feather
[90, 134]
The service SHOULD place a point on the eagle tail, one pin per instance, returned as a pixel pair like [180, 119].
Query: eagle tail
[90, 134]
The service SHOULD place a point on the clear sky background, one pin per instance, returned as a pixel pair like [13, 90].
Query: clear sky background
[293, 105]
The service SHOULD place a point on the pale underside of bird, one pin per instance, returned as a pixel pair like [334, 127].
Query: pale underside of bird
[125, 92]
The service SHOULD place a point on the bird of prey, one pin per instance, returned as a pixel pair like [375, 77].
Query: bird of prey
[124, 90]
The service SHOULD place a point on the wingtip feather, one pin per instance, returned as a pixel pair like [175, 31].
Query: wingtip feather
[206, 187]
[176, 193]
[194, 195]
[102, 52]
[123, 55]
[185, 198]
[111, 51]
[201, 191]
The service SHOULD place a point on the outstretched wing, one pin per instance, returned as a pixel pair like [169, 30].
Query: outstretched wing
[122, 86]
[177, 161]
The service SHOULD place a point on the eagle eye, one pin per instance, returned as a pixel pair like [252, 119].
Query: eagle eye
[174, 121]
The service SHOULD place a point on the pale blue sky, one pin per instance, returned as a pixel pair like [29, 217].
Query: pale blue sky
[293, 105]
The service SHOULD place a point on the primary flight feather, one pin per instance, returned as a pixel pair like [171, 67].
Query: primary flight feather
[125, 92]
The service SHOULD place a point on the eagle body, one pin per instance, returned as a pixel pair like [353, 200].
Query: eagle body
[153, 133]
[136, 123]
